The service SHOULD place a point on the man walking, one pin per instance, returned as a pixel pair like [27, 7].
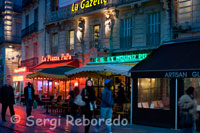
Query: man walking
[29, 94]
[107, 103]
[7, 100]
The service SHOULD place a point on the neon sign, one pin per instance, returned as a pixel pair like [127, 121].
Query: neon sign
[120, 59]
[20, 70]
[87, 4]
[18, 78]
[57, 58]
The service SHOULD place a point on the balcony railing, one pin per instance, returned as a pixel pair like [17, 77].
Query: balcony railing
[65, 13]
[29, 62]
[10, 39]
[30, 29]
[25, 3]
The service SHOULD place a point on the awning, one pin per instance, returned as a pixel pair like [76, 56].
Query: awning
[115, 69]
[44, 65]
[172, 60]
[51, 73]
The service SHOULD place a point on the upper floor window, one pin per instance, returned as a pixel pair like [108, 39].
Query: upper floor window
[96, 37]
[153, 29]
[27, 21]
[54, 44]
[54, 5]
[126, 33]
[36, 15]
[71, 39]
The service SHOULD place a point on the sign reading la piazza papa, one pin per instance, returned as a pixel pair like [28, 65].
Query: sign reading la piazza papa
[87, 4]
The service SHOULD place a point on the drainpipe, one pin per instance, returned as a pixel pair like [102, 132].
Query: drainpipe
[45, 36]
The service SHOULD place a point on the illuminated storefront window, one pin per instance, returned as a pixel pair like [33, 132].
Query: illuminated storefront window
[154, 93]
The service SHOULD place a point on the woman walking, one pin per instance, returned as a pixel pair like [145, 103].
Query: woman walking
[88, 96]
[188, 113]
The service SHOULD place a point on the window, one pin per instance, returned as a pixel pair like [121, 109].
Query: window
[153, 29]
[54, 45]
[36, 15]
[194, 82]
[154, 93]
[27, 21]
[126, 33]
[35, 49]
[71, 39]
[96, 37]
[54, 5]
[27, 52]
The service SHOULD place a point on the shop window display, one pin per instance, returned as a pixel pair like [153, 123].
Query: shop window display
[153, 93]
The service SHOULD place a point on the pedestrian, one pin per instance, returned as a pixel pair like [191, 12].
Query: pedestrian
[73, 106]
[29, 94]
[7, 100]
[121, 99]
[88, 96]
[107, 104]
[188, 111]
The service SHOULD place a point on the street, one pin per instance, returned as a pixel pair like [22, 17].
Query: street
[26, 125]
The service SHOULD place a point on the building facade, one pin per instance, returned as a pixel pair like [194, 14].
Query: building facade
[10, 38]
[109, 28]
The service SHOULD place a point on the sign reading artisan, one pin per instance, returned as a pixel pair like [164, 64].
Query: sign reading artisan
[193, 74]
[87, 3]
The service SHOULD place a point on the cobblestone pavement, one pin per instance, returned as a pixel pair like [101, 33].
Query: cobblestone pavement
[24, 125]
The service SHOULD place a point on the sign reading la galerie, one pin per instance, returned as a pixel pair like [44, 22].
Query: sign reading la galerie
[63, 57]
[87, 4]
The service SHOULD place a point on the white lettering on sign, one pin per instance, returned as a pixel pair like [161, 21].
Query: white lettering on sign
[176, 75]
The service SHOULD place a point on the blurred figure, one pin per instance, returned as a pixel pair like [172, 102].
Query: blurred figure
[121, 99]
[107, 104]
[88, 96]
[73, 106]
[29, 94]
[188, 111]
[7, 99]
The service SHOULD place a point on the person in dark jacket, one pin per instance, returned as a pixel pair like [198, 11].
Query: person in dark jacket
[88, 96]
[107, 103]
[7, 99]
[29, 94]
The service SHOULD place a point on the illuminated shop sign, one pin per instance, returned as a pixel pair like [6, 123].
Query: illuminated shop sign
[63, 57]
[121, 59]
[20, 70]
[193, 74]
[87, 4]
[18, 78]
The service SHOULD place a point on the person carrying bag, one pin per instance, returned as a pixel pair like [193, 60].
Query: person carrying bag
[188, 112]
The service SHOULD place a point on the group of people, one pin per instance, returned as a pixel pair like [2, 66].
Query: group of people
[88, 96]
[7, 99]
[186, 103]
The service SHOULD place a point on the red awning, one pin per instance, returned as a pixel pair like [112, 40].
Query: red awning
[44, 65]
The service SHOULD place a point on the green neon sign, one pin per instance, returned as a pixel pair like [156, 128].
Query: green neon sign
[120, 59]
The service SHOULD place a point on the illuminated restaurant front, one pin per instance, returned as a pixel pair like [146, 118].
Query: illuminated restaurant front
[49, 79]
[19, 80]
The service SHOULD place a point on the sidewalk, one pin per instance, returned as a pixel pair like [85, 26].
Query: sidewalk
[39, 113]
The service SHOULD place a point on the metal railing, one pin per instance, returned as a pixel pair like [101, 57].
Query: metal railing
[27, 2]
[10, 39]
[66, 13]
[29, 62]
[30, 29]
